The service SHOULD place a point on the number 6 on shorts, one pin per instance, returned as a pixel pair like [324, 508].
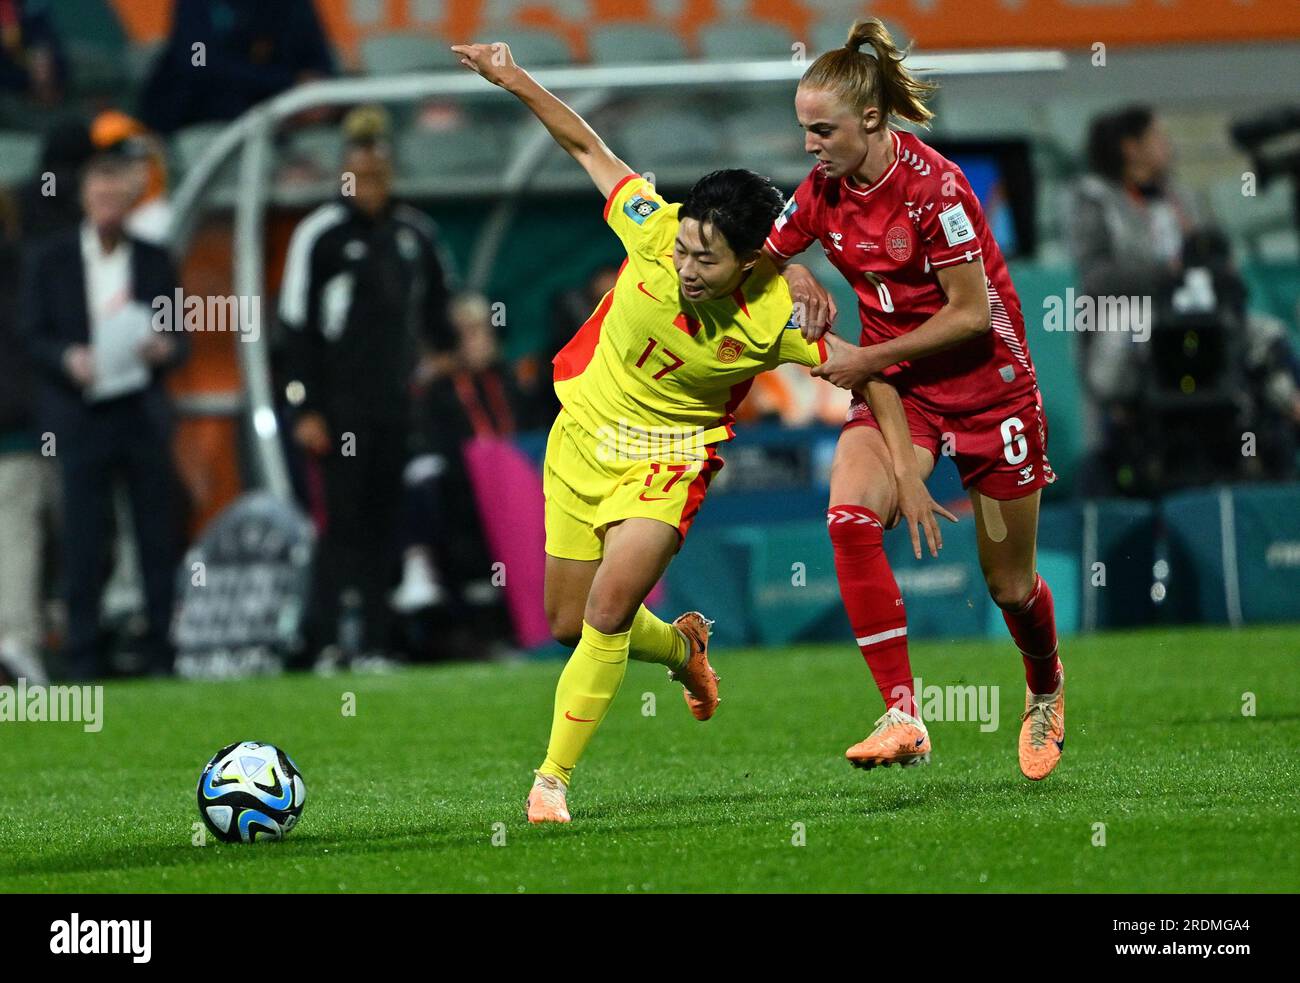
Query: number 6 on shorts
[1014, 445]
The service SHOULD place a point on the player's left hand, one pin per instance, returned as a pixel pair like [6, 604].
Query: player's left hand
[848, 366]
[493, 61]
[918, 507]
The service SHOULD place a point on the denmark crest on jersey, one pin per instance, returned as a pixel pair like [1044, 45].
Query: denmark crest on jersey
[898, 244]
[730, 349]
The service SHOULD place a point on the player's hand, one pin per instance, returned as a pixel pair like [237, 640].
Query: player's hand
[847, 366]
[814, 307]
[919, 509]
[493, 61]
[312, 433]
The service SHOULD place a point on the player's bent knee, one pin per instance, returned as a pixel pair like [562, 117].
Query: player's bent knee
[566, 636]
[609, 617]
[565, 626]
[1009, 591]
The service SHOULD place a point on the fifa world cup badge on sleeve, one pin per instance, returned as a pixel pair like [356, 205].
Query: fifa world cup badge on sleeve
[639, 209]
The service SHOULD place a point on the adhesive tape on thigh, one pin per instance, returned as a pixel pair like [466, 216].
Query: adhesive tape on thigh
[994, 527]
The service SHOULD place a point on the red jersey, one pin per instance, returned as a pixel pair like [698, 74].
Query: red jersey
[888, 240]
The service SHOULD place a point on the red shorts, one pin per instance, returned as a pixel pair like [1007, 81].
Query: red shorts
[1000, 451]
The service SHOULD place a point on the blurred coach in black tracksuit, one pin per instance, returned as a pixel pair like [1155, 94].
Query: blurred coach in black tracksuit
[364, 299]
[85, 315]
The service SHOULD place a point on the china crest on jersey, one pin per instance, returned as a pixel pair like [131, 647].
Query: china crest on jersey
[730, 349]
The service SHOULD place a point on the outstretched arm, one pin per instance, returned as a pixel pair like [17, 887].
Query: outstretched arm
[495, 63]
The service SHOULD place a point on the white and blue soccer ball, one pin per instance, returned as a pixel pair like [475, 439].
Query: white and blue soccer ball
[251, 791]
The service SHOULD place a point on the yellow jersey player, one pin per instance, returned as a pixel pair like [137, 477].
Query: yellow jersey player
[647, 386]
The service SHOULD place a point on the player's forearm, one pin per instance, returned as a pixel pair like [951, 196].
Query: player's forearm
[948, 327]
[570, 130]
[887, 408]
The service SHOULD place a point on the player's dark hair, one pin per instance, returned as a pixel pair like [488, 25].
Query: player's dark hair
[740, 204]
[1106, 136]
[871, 78]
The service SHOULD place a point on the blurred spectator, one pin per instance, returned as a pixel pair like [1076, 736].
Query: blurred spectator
[1128, 228]
[31, 57]
[225, 56]
[477, 398]
[146, 156]
[364, 299]
[85, 315]
[1137, 236]
[48, 203]
[25, 485]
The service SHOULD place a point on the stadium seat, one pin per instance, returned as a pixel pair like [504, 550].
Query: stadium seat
[763, 134]
[20, 155]
[427, 13]
[91, 21]
[394, 54]
[631, 43]
[189, 144]
[95, 43]
[365, 13]
[461, 151]
[831, 32]
[737, 41]
[322, 146]
[695, 140]
[140, 59]
[532, 48]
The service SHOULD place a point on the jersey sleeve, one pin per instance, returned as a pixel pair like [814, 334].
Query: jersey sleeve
[635, 211]
[948, 225]
[795, 349]
[792, 231]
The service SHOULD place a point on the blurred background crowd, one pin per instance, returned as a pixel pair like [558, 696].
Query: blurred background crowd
[1170, 177]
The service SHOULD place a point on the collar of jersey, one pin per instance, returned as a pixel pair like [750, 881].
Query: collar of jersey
[863, 192]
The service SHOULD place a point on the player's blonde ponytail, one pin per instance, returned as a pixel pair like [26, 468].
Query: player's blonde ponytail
[874, 77]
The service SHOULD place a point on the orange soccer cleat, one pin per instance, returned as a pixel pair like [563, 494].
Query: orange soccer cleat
[1042, 731]
[546, 800]
[699, 681]
[899, 739]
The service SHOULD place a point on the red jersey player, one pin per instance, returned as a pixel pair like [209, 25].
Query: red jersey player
[941, 320]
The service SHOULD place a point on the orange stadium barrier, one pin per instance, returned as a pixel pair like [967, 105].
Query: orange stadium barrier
[937, 24]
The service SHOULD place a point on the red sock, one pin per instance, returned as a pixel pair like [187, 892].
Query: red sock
[1033, 626]
[872, 601]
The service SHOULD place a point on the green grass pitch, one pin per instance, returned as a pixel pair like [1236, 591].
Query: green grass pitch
[407, 794]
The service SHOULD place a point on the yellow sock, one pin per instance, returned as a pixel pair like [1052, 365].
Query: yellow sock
[587, 687]
[655, 640]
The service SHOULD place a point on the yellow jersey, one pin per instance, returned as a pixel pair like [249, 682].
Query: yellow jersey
[657, 372]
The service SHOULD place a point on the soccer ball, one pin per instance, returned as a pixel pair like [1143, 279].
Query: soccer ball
[251, 791]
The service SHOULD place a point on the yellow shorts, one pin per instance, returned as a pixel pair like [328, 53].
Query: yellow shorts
[588, 487]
